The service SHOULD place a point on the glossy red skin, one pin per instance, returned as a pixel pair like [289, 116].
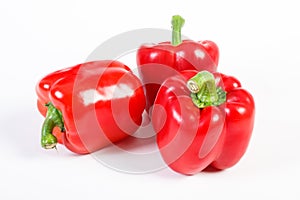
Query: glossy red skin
[156, 62]
[191, 139]
[95, 122]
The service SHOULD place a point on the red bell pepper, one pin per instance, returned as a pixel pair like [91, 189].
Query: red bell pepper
[90, 105]
[156, 62]
[202, 119]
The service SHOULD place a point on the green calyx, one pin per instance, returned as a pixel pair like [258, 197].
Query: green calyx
[177, 24]
[204, 92]
[53, 119]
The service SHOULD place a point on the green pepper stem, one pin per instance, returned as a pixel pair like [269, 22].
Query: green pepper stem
[177, 24]
[53, 119]
[204, 91]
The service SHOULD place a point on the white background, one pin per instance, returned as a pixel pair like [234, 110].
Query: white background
[259, 43]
